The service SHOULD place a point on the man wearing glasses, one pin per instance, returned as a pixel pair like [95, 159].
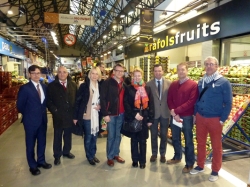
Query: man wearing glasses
[31, 103]
[211, 111]
[112, 108]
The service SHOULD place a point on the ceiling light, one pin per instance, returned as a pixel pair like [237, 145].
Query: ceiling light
[161, 27]
[122, 16]
[105, 54]
[114, 26]
[105, 36]
[203, 5]
[115, 43]
[120, 47]
[124, 37]
[101, 55]
[163, 14]
[10, 12]
[138, 38]
[98, 43]
[109, 52]
[131, 12]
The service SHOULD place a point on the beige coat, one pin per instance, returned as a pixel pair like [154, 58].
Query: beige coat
[160, 105]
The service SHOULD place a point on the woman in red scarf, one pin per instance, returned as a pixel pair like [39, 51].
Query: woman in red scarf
[139, 95]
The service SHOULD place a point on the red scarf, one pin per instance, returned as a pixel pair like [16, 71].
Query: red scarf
[140, 96]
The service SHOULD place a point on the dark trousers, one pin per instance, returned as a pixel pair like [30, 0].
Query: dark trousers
[89, 140]
[66, 135]
[164, 123]
[138, 149]
[33, 135]
[188, 135]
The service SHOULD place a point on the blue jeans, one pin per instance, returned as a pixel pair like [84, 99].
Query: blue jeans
[164, 123]
[188, 135]
[114, 136]
[89, 140]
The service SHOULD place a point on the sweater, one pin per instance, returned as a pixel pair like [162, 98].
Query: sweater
[182, 97]
[216, 100]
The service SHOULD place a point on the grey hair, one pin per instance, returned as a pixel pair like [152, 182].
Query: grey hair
[212, 58]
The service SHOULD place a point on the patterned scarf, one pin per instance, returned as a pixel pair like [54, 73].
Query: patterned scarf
[208, 79]
[141, 94]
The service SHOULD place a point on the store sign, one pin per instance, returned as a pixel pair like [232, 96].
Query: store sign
[227, 20]
[183, 37]
[146, 22]
[9, 49]
[68, 19]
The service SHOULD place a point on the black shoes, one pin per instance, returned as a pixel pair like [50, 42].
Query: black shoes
[142, 166]
[135, 164]
[57, 161]
[96, 160]
[92, 162]
[44, 165]
[70, 156]
[35, 171]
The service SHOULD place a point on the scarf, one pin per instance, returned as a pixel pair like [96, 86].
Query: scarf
[94, 112]
[141, 95]
[207, 79]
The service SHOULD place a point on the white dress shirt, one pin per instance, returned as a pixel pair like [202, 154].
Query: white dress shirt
[41, 90]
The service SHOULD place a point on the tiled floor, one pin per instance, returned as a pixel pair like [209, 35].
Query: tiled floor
[14, 171]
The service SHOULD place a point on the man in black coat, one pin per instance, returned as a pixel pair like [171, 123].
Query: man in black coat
[61, 99]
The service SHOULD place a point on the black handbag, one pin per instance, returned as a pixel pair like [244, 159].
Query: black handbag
[77, 129]
[135, 125]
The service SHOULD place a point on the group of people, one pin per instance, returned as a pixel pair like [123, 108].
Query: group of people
[156, 103]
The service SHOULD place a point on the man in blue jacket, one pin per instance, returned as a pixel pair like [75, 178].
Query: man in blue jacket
[211, 111]
[31, 103]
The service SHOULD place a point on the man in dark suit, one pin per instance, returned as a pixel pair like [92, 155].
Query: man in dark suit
[159, 86]
[31, 103]
[61, 99]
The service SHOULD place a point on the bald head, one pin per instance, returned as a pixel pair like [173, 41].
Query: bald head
[62, 73]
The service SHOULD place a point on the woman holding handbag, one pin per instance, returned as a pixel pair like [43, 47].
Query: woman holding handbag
[139, 105]
[87, 108]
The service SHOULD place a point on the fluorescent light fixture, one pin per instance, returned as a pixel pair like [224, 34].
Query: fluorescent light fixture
[161, 27]
[109, 52]
[124, 37]
[115, 43]
[120, 47]
[105, 36]
[10, 12]
[186, 16]
[53, 34]
[201, 6]
[131, 12]
[101, 55]
[114, 26]
[122, 16]
[105, 54]
[138, 38]
[51, 51]
[98, 43]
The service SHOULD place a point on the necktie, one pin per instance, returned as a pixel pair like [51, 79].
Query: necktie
[63, 84]
[159, 88]
[38, 90]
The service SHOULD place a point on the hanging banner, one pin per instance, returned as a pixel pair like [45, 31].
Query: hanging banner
[146, 22]
[68, 19]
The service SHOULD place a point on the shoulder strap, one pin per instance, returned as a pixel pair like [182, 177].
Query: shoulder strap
[205, 89]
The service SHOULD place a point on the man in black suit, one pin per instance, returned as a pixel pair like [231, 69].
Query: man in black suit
[31, 103]
[60, 102]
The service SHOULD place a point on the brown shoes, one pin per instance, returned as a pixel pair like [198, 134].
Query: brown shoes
[153, 158]
[119, 159]
[110, 163]
[187, 169]
[172, 161]
[163, 159]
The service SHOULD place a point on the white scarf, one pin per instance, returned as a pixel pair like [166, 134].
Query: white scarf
[94, 113]
[207, 79]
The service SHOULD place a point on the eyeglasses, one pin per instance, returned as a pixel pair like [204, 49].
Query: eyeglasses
[210, 64]
[38, 73]
[119, 71]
